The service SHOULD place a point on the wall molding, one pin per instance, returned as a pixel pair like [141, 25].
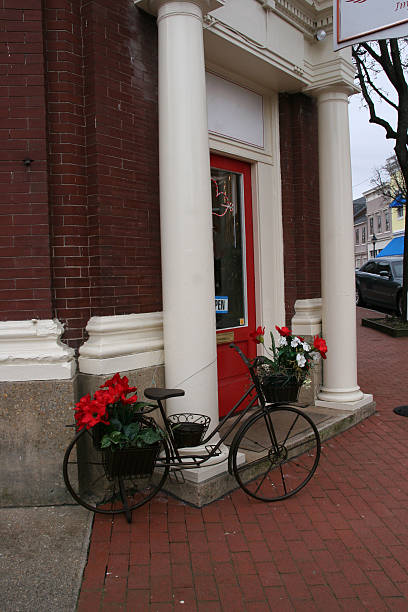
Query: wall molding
[32, 350]
[122, 342]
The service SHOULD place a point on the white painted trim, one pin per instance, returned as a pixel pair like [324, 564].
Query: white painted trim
[268, 230]
[32, 350]
[267, 216]
[122, 342]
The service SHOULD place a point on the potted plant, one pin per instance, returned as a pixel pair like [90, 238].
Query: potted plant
[128, 440]
[282, 374]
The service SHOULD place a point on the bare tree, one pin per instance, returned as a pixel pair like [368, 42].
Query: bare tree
[388, 57]
[389, 180]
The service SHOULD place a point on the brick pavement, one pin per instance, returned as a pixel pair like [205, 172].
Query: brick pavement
[341, 543]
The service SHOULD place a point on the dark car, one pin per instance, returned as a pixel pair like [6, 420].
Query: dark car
[379, 283]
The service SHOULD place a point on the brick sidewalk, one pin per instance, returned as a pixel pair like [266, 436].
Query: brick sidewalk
[340, 544]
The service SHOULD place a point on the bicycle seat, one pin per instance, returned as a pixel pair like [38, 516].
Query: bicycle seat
[155, 393]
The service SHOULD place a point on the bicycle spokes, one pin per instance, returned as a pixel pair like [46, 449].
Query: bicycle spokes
[276, 453]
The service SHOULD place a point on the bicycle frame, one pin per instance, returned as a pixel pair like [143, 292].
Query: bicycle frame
[213, 449]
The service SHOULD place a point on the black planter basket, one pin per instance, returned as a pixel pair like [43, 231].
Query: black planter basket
[280, 388]
[130, 462]
[188, 429]
[98, 431]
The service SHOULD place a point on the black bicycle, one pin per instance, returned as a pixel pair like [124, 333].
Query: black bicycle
[273, 454]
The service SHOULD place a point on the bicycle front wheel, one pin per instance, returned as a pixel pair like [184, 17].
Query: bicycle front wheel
[275, 453]
[96, 488]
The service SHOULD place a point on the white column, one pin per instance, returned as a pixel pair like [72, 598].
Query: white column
[337, 249]
[185, 210]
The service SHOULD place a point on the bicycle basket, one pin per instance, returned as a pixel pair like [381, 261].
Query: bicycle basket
[188, 428]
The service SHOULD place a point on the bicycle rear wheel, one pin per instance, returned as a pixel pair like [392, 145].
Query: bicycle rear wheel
[98, 490]
[275, 453]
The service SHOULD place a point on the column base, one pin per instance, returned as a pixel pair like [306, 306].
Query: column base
[203, 485]
[211, 468]
[353, 394]
[339, 402]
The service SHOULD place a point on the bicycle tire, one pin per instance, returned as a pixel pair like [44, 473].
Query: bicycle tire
[88, 483]
[275, 453]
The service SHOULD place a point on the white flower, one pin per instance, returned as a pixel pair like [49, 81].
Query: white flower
[295, 342]
[300, 360]
[282, 341]
[315, 356]
[306, 347]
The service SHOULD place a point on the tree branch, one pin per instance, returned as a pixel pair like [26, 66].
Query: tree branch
[390, 133]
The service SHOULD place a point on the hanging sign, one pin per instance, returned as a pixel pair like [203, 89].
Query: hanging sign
[358, 21]
[221, 304]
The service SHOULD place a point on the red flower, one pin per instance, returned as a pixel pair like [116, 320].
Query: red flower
[284, 331]
[89, 413]
[118, 388]
[258, 334]
[320, 345]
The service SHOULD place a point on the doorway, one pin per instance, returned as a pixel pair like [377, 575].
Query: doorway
[234, 274]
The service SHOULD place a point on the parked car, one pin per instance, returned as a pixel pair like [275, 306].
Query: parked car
[379, 283]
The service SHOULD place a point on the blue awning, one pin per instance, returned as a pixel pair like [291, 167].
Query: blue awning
[398, 202]
[394, 247]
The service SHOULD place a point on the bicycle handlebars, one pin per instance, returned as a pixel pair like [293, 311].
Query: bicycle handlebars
[241, 354]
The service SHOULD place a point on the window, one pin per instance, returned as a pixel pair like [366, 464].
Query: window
[370, 267]
[400, 211]
[384, 267]
[387, 221]
[357, 236]
[371, 225]
[379, 222]
[363, 234]
[397, 267]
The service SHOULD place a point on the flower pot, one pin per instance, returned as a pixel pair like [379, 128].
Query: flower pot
[132, 461]
[188, 429]
[280, 388]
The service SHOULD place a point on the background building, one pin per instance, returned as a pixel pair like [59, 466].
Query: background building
[360, 231]
[378, 220]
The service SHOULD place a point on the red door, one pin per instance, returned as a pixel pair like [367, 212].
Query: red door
[234, 274]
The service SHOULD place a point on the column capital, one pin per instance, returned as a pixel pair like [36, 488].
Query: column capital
[152, 6]
[334, 90]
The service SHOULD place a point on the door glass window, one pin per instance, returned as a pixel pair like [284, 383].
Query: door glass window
[229, 248]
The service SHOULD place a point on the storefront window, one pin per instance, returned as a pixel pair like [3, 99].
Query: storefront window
[229, 248]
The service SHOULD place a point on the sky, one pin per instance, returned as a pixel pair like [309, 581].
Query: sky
[369, 147]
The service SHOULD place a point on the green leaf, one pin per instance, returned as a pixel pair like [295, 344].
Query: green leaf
[131, 430]
[150, 436]
[106, 441]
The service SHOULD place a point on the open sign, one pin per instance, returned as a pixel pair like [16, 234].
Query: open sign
[221, 304]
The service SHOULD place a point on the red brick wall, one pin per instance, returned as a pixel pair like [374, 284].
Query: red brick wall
[300, 198]
[79, 231]
[120, 53]
[103, 158]
[24, 225]
[67, 165]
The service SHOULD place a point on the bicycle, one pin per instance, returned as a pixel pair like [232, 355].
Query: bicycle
[273, 454]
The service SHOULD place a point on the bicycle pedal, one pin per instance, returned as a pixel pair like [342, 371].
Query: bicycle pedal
[210, 450]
